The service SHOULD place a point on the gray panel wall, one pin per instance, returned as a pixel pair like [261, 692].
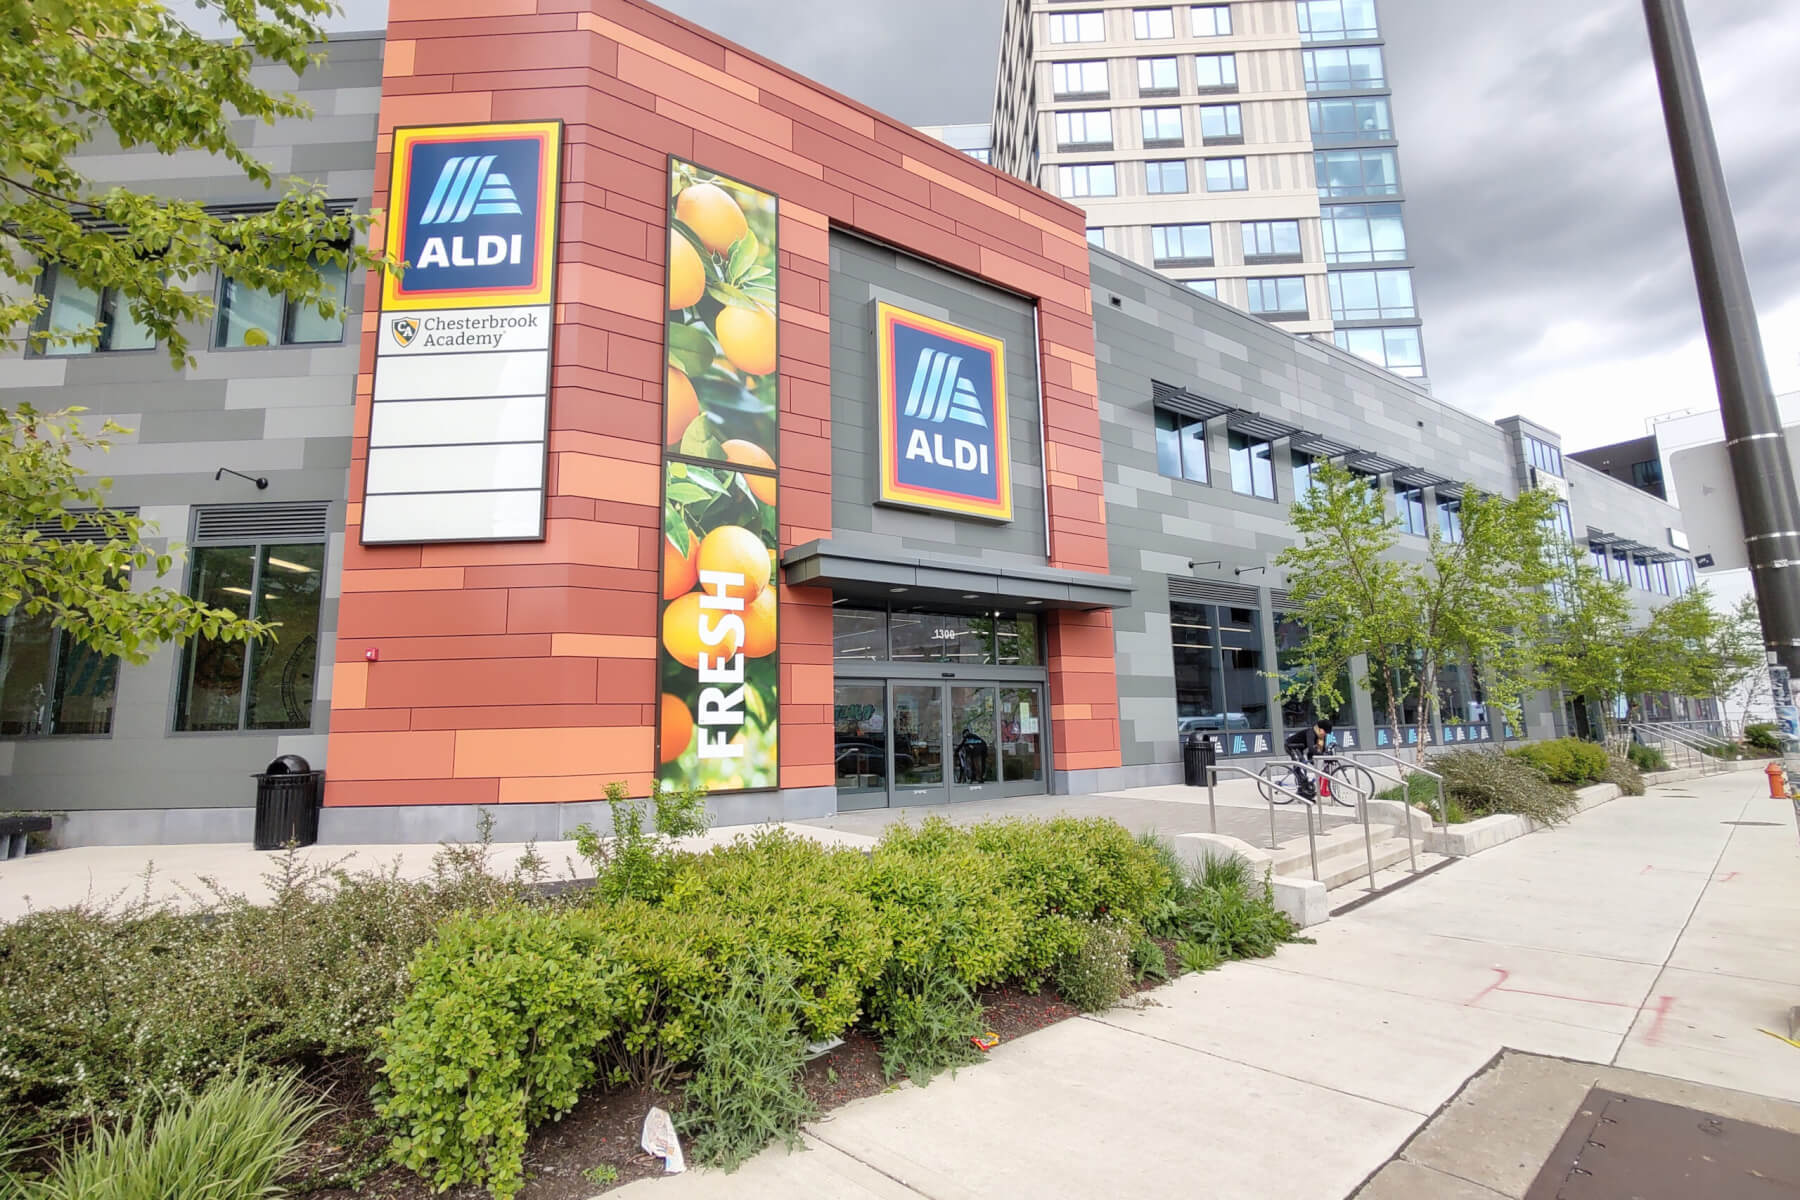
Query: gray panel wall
[284, 413]
[861, 274]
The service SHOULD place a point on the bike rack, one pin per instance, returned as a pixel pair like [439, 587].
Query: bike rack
[1312, 845]
[1443, 804]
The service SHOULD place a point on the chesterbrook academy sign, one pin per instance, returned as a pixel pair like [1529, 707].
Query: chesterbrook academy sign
[459, 424]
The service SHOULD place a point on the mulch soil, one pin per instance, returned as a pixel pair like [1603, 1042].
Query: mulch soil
[342, 1159]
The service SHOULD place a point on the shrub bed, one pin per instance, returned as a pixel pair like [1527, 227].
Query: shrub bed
[1568, 761]
[1484, 784]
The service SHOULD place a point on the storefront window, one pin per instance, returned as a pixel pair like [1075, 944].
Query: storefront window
[231, 685]
[858, 633]
[1017, 639]
[1290, 634]
[942, 637]
[51, 684]
[1219, 685]
[919, 635]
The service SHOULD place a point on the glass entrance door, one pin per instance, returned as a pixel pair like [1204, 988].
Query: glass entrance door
[859, 721]
[975, 743]
[918, 744]
[931, 743]
[1022, 724]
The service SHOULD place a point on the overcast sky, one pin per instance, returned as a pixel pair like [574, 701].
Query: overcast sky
[1553, 273]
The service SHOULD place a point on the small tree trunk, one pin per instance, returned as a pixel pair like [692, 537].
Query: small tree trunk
[1428, 699]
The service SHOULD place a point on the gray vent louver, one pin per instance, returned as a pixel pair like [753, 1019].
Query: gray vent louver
[236, 524]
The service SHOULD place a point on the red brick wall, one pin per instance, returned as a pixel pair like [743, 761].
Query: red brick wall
[520, 672]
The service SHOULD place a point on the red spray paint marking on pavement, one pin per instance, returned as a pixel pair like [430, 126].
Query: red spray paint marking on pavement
[1499, 985]
[1727, 877]
[1653, 1035]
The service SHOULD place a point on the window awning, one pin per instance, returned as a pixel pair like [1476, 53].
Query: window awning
[1419, 477]
[1256, 425]
[1599, 537]
[870, 571]
[1368, 462]
[1188, 404]
[1319, 445]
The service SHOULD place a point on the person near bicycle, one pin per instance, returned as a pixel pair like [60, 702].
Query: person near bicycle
[1307, 746]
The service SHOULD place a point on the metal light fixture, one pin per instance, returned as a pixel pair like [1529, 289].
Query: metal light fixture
[261, 481]
[1209, 563]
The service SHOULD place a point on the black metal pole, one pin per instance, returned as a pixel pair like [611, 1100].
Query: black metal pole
[1753, 438]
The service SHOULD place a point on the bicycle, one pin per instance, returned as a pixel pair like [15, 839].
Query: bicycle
[1278, 781]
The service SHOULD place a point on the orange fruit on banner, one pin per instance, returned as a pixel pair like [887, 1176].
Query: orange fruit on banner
[734, 550]
[681, 405]
[747, 335]
[709, 210]
[681, 632]
[760, 636]
[687, 274]
[748, 454]
[677, 729]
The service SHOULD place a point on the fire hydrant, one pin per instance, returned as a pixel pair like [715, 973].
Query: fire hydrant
[1777, 781]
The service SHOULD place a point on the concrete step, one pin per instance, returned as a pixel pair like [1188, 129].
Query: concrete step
[1292, 858]
[1358, 887]
[1350, 864]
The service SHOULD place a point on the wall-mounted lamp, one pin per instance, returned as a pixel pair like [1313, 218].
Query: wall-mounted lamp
[260, 481]
[1209, 563]
[1241, 570]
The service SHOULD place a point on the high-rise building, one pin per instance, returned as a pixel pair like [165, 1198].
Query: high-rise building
[975, 139]
[1247, 149]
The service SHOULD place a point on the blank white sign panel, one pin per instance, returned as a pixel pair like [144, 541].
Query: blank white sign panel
[454, 517]
[450, 422]
[456, 468]
[450, 376]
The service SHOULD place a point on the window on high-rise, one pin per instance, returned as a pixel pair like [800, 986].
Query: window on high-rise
[249, 316]
[1252, 466]
[1363, 233]
[1096, 236]
[1356, 173]
[71, 305]
[1640, 573]
[1077, 27]
[1621, 566]
[1271, 241]
[1347, 119]
[1227, 175]
[1342, 68]
[1222, 124]
[1182, 245]
[1543, 455]
[1087, 179]
[1084, 131]
[1212, 20]
[1279, 299]
[1597, 559]
[1396, 350]
[1153, 23]
[1337, 20]
[50, 684]
[1162, 127]
[1158, 77]
[1304, 466]
[1166, 178]
[1180, 446]
[1206, 287]
[1371, 295]
[1079, 80]
[1449, 514]
[1660, 577]
[1409, 503]
[261, 685]
[1216, 72]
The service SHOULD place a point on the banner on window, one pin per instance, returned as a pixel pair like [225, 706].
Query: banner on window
[718, 716]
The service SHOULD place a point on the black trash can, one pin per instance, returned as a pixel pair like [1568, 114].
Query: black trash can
[288, 793]
[1199, 754]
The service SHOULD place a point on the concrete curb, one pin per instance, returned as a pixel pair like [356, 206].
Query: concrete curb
[1461, 841]
[1303, 900]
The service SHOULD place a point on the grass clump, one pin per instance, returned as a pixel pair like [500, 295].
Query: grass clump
[1623, 772]
[1764, 737]
[746, 1092]
[1646, 758]
[924, 1020]
[1485, 783]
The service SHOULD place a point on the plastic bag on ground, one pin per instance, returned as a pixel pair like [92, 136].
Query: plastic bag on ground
[659, 1139]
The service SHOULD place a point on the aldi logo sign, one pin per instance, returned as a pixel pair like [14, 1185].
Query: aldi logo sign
[473, 214]
[943, 416]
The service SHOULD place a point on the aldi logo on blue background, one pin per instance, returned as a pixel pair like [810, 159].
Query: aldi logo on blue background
[472, 212]
[943, 416]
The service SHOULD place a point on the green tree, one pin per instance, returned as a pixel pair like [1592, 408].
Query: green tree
[1743, 661]
[1475, 600]
[1588, 635]
[131, 75]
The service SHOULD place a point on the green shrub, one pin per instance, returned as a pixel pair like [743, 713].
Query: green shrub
[1646, 758]
[1421, 791]
[924, 1016]
[1762, 736]
[637, 862]
[1219, 904]
[1568, 761]
[232, 1142]
[501, 1031]
[944, 904]
[1148, 960]
[1197, 957]
[1096, 973]
[799, 901]
[1486, 783]
[747, 1091]
[1624, 773]
[673, 961]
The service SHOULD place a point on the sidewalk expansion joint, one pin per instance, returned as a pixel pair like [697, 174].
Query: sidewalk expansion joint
[1378, 893]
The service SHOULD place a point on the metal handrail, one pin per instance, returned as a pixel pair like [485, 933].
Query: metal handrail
[1312, 844]
[1362, 810]
[1443, 803]
[1695, 745]
[1684, 733]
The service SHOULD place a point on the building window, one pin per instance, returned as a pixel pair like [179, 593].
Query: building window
[1597, 559]
[1564, 522]
[1079, 80]
[1162, 127]
[1659, 575]
[1621, 566]
[1222, 124]
[1220, 688]
[251, 317]
[1077, 27]
[1182, 245]
[1290, 637]
[1363, 233]
[1337, 20]
[1226, 175]
[72, 306]
[1279, 299]
[1640, 573]
[1648, 475]
[1271, 241]
[1087, 179]
[1252, 466]
[1356, 173]
[980, 154]
[1371, 295]
[1180, 446]
[231, 685]
[1543, 455]
[859, 634]
[1343, 68]
[1166, 178]
[1304, 465]
[1395, 350]
[1410, 504]
[1213, 20]
[1216, 72]
[1149, 23]
[1158, 77]
[1206, 287]
[1449, 517]
[1350, 119]
[50, 684]
[1084, 131]
[1096, 237]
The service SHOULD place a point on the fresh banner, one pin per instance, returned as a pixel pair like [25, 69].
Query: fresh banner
[718, 716]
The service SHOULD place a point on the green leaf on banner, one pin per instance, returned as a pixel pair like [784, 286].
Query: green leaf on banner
[743, 256]
[685, 492]
[676, 529]
[691, 348]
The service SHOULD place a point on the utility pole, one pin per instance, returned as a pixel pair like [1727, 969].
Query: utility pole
[1753, 438]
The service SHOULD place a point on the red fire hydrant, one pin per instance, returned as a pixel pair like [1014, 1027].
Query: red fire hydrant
[1777, 781]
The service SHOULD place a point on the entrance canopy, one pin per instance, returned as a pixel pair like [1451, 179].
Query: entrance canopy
[875, 573]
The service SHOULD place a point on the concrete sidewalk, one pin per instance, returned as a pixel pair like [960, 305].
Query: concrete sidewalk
[1658, 933]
